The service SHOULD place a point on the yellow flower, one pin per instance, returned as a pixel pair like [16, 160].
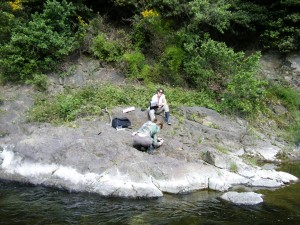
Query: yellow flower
[149, 13]
[16, 5]
[81, 21]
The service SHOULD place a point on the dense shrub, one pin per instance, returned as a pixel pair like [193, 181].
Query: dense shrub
[6, 24]
[272, 24]
[171, 66]
[151, 33]
[106, 50]
[135, 66]
[39, 81]
[245, 91]
[230, 76]
[37, 46]
[282, 31]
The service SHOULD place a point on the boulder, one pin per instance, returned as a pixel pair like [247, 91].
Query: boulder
[243, 198]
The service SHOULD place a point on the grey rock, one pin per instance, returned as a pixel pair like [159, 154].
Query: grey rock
[243, 198]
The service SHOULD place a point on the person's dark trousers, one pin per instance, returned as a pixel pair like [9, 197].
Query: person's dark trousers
[151, 149]
[167, 118]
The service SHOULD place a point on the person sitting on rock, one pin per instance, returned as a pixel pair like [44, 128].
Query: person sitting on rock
[159, 105]
[147, 136]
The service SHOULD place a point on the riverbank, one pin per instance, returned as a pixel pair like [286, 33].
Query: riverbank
[202, 150]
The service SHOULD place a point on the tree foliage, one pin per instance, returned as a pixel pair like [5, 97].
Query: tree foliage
[274, 23]
[37, 45]
[283, 26]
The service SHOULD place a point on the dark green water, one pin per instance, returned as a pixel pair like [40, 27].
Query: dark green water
[26, 204]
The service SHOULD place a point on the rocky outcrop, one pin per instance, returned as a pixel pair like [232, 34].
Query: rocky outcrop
[286, 69]
[202, 149]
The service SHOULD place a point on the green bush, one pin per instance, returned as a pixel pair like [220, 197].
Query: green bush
[151, 33]
[282, 30]
[68, 106]
[135, 66]
[171, 64]
[230, 76]
[91, 30]
[245, 92]
[106, 50]
[39, 81]
[6, 24]
[210, 12]
[210, 63]
[37, 46]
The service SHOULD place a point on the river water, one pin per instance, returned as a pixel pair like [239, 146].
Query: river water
[27, 204]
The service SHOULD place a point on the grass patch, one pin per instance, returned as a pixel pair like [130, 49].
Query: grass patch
[214, 126]
[200, 140]
[233, 167]
[196, 117]
[252, 161]
[72, 104]
[222, 149]
[287, 96]
[288, 122]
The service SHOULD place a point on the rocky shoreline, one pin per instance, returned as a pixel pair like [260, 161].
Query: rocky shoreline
[202, 150]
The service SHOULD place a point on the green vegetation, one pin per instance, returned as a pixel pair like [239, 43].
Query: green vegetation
[233, 167]
[195, 48]
[221, 149]
[105, 50]
[251, 160]
[92, 100]
[37, 44]
[268, 24]
[290, 120]
[135, 66]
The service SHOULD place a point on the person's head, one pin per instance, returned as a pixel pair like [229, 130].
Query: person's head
[160, 91]
[158, 123]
